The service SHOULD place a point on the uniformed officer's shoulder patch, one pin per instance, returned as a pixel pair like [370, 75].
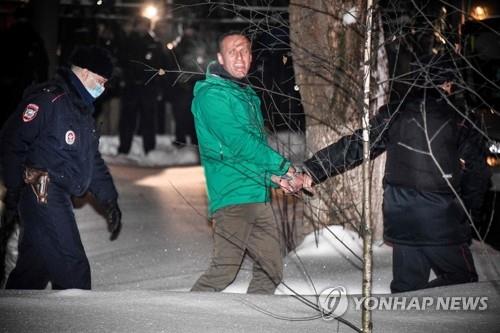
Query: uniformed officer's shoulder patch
[30, 112]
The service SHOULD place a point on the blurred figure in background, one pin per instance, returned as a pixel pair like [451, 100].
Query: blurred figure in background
[23, 61]
[139, 96]
[110, 36]
[179, 87]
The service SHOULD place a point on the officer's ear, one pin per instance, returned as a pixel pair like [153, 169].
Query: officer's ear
[85, 73]
[86, 76]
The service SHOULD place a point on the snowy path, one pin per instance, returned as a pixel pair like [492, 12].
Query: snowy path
[164, 243]
[140, 280]
[159, 311]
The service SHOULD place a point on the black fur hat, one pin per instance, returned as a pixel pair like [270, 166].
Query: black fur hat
[94, 58]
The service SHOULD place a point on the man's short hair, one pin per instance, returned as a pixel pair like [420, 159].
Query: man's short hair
[221, 37]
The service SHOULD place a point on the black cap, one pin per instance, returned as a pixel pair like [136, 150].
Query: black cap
[94, 58]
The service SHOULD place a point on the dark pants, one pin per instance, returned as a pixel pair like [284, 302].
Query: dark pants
[184, 121]
[138, 102]
[411, 266]
[50, 248]
[238, 229]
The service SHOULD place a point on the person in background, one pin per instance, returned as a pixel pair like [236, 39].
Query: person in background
[139, 95]
[27, 49]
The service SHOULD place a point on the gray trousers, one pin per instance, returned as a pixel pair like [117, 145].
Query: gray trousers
[244, 228]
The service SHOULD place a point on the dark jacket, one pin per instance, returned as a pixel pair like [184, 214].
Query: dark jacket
[138, 54]
[420, 207]
[53, 130]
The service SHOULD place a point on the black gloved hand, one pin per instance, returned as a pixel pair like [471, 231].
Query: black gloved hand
[114, 219]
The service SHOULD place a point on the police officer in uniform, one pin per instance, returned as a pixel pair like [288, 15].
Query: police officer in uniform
[140, 95]
[49, 153]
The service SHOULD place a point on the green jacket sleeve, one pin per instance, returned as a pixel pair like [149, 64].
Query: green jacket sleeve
[236, 131]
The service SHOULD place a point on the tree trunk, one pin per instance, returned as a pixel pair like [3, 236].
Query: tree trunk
[327, 51]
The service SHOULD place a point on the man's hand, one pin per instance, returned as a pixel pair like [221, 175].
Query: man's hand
[293, 182]
[114, 219]
[287, 181]
[303, 181]
[283, 183]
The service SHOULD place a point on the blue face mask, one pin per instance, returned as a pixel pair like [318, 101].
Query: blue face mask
[97, 90]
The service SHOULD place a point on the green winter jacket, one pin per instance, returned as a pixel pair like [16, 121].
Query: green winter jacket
[237, 160]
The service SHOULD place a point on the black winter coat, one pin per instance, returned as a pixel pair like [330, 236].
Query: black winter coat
[420, 205]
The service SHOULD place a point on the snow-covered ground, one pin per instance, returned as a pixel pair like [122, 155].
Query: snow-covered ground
[165, 153]
[141, 280]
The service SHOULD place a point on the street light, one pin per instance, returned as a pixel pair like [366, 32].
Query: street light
[479, 13]
[150, 12]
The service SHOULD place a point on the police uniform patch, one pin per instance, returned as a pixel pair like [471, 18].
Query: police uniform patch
[30, 112]
[70, 137]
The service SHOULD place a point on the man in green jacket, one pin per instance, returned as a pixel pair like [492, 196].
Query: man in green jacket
[239, 169]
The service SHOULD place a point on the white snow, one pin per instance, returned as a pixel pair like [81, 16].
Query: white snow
[141, 281]
[164, 154]
[351, 16]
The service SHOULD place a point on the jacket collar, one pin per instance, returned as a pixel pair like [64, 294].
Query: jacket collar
[72, 85]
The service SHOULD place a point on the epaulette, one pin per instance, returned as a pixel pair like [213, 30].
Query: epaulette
[51, 88]
[55, 90]
[42, 88]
